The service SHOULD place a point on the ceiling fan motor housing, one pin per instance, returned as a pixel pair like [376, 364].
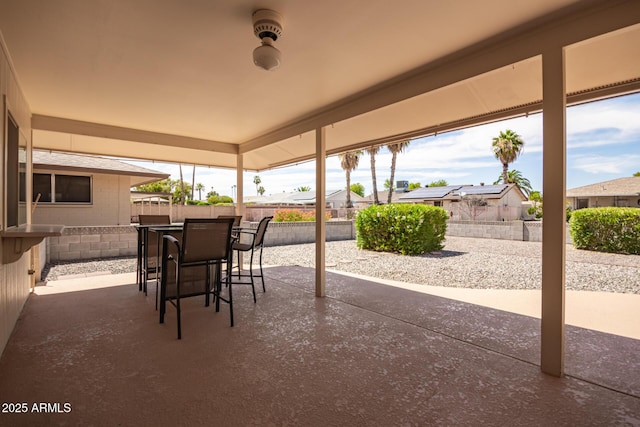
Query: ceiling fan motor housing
[267, 23]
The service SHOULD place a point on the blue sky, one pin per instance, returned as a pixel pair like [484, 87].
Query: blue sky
[603, 143]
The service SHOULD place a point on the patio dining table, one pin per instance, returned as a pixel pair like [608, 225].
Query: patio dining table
[161, 230]
[142, 268]
[176, 231]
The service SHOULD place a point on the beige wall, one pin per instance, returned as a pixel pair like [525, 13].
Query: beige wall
[14, 278]
[111, 204]
[512, 198]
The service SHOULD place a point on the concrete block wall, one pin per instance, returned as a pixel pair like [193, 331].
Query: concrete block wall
[532, 231]
[77, 243]
[528, 231]
[291, 233]
[503, 230]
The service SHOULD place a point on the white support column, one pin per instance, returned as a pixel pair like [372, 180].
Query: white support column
[240, 197]
[240, 185]
[321, 225]
[554, 152]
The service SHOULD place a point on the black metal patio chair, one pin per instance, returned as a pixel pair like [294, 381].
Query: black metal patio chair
[251, 240]
[193, 266]
[148, 248]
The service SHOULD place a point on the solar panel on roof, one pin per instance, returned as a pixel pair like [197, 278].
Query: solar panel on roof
[483, 189]
[430, 192]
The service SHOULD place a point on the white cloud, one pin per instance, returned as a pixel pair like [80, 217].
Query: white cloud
[605, 164]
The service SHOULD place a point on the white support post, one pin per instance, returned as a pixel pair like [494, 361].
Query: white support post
[240, 185]
[240, 210]
[554, 152]
[321, 226]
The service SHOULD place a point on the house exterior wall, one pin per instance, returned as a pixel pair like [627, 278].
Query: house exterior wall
[506, 208]
[14, 278]
[110, 204]
[601, 201]
[512, 198]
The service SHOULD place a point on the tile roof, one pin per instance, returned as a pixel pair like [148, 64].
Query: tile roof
[77, 162]
[629, 186]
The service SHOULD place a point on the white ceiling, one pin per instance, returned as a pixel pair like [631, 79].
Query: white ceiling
[174, 80]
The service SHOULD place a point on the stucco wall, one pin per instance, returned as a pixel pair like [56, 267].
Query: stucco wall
[110, 205]
[14, 277]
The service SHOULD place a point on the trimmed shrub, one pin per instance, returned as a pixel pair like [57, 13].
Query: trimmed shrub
[606, 229]
[401, 228]
[568, 211]
[296, 215]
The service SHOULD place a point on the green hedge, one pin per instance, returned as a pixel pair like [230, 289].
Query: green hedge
[296, 215]
[401, 228]
[606, 229]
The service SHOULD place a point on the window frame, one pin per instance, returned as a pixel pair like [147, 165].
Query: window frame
[579, 202]
[54, 194]
[14, 167]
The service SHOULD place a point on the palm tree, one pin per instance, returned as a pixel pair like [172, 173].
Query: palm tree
[372, 152]
[507, 147]
[257, 181]
[183, 196]
[394, 149]
[303, 189]
[193, 181]
[516, 177]
[199, 187]
[349, 161]
[261, 190]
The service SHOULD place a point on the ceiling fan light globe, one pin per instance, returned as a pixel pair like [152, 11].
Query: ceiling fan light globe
[267, 57]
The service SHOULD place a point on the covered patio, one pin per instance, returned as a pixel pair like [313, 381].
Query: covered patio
[367, 354]
[173, 82]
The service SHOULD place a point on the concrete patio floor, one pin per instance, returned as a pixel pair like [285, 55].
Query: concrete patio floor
[367, 354]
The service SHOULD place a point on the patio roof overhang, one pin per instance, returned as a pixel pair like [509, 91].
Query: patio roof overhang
[173, 83]
[439, 83]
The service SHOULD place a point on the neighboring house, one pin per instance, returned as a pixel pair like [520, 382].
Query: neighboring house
[621, 192]
[383, 195]
[500, 202]
[335, 199]
[77, 190]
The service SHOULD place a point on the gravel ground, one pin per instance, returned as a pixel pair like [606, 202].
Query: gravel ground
[463, 263]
